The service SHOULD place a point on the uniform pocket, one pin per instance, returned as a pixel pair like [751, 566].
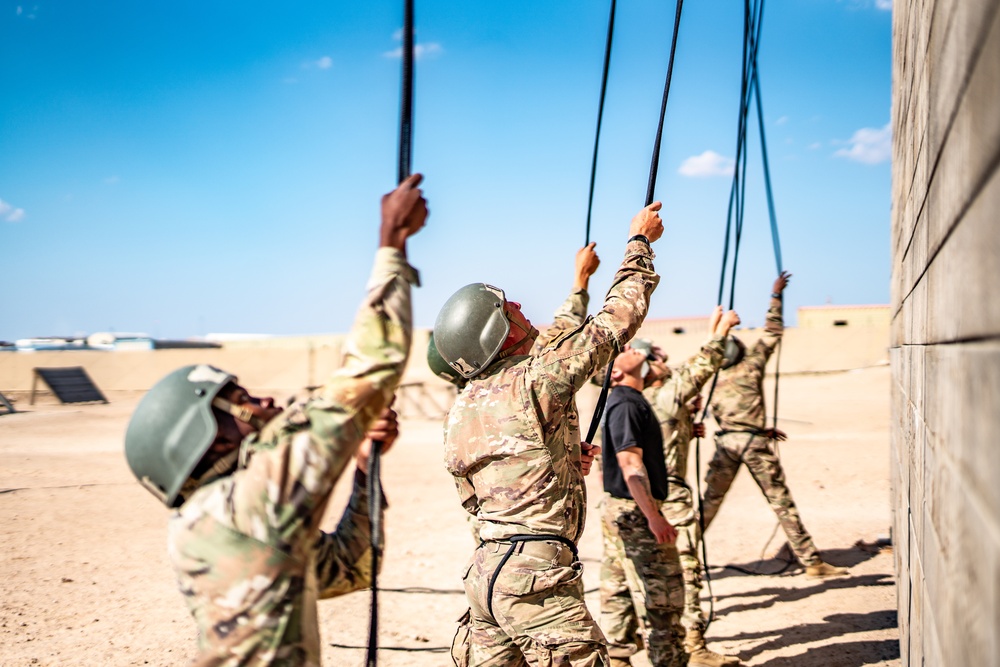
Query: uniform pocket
[460, 647]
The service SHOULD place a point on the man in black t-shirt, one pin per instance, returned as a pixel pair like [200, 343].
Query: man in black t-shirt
[637, 538]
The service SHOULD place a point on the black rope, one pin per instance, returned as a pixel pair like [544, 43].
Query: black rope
[406, 95]
[406, 649]
[749, 87]
[374, 486]
[600, 116]
[601, 401]
[650, 187]
[375, 457]
[654, 165]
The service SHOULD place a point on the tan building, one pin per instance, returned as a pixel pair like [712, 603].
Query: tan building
[821, 317]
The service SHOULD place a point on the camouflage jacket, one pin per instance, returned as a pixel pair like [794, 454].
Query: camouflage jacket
[512, 439]
[738, 401]
[570, 315]
[250, 558]
[670, 403]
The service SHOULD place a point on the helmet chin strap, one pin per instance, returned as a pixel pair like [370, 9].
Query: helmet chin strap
[531, 333]
[240, 412]
[221, 467]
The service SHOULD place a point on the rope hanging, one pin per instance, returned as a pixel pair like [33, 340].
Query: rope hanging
[406, 95]
[374, 481]
[650, 187]
[600, 117]
[750, 88]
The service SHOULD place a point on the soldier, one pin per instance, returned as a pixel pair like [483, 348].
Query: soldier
[671, 395]
[512, 445]
[738, 407]
[570, 315]
[245, 540]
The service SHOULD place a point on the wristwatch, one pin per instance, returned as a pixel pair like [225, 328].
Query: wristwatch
[639, 237]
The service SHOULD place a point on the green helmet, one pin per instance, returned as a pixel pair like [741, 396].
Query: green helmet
[735, 351]
[471, 328]
[440, 367]
[172, 428]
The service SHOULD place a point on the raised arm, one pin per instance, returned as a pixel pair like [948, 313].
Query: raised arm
[568, 364]
[774, 325]
[689, 379]
[316, 438]
[573, 311]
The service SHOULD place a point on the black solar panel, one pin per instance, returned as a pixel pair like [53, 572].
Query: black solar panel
[70, 385]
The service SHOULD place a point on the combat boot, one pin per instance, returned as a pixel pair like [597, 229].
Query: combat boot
[700, 655]
[823, 570]
[620, 662]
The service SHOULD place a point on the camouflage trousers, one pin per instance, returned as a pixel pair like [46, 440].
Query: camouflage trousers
[679, 510]
[733, 449]
[538, 615]
[642, 589]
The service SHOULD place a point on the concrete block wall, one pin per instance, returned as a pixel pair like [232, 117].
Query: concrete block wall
[945, 332]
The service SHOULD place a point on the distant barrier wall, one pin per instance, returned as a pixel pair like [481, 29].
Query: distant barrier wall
[945, 350]
[286, 366]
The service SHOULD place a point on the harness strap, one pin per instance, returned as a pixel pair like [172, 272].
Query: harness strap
[679, 481]
[752, 431]
[514, 540]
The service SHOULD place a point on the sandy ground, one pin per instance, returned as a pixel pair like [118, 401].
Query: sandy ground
[84, 578]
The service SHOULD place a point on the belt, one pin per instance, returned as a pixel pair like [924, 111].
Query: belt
[514, 541]
[679, 481]
[751, 431]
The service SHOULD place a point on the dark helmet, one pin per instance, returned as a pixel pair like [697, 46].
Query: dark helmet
[172, 428]
[735, 351]
[440, 367]
[471, 328]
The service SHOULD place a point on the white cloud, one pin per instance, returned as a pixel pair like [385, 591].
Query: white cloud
[419, 51]
[707, 164]
[20, 10]
[112, 180]
[781, 121]
[869, 145]
[398, 35]
[885, 5]
[814, 146]
[9, 213]
[325, 62]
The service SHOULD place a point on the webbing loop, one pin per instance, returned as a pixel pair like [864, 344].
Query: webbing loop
[514, 541]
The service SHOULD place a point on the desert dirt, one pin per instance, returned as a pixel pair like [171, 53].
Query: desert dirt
[84, 578]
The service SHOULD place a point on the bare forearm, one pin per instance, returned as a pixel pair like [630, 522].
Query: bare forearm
[638, 485]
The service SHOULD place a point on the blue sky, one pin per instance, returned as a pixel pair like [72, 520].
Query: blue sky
[181, 168]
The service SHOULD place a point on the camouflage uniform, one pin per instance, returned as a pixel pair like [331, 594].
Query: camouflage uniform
[670, 405]
[642, 589]
[570, 315]
[512, 444]
[249, 555]
[738, 407]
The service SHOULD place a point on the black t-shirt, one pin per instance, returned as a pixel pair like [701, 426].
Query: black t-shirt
[630, 422]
